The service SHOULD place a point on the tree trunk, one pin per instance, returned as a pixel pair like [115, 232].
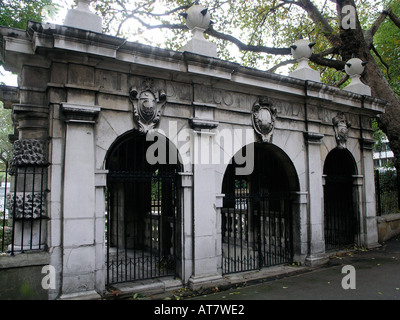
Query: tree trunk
[354, 43]
[390, 121]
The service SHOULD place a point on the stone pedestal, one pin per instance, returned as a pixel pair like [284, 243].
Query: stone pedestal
[198, 44]
[305, 72]
[82, 18]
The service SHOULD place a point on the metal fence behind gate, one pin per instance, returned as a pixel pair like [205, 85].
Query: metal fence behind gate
[387, 192]
[256, 232]
[142, 238]
[22, 209]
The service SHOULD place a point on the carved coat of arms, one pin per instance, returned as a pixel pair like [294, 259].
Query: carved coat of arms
[147, 105]
[263, 117]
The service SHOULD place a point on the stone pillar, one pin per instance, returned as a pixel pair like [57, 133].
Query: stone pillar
[26, 202]
[187, 226]
[368, 224]
[316, 243]
[205, 228]
[80, 217]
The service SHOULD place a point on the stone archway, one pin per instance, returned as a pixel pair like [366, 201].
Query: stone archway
[143, 212]
[257, 212]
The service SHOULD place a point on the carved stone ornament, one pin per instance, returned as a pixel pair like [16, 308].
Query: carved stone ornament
[263, 117]
[147, 105]
[26, 205]
[341, 126]
[30, 152]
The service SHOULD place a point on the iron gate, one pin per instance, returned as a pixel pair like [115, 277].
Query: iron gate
[256, 232]
[341, 225]
[142, 215]
[256, 216]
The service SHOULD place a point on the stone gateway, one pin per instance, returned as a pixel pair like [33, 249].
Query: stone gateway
[95, 113]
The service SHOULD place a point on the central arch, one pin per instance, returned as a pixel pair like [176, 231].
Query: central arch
[257, 222]
[143, 210]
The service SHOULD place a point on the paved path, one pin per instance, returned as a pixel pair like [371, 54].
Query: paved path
[377, 274]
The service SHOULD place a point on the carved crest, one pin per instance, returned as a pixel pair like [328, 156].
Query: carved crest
[263, 117]
[341, 126]
[147, 105]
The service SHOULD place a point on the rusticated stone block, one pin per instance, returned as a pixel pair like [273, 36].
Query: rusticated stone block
[30, 152]
[26, 205]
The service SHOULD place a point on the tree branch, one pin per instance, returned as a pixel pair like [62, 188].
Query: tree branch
[394, 18]
[245, 47]
[281, 64]
[316, 16]
[335, 64]
[378, 22]
[382, 61]
[343, 80]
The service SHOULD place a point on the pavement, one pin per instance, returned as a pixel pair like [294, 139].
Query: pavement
[375, 276]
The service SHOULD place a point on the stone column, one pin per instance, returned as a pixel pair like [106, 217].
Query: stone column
[316, 243]
[187, 226]
[368, 224]
[80, 217]
[205, 233]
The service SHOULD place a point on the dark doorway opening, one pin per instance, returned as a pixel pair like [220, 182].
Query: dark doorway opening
[340, 214]
[257, 212]
[143, 213]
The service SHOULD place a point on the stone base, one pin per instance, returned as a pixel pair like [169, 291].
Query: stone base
[306, 74]
[199, 45]
[87, 295]
[317, 260]
[203, 282]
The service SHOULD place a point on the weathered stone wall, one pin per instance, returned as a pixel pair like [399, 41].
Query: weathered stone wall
[21, 276]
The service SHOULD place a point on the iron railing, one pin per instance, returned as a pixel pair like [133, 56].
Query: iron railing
[22, 209]
[387, 192]
[256, 232]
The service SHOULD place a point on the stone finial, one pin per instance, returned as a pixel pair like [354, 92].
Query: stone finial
[198, 21]
[302, 51]
[354, 68]
[82, 18]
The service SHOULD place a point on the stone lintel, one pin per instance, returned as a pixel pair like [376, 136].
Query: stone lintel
[313, 137]
[198, 124]
[80, 113]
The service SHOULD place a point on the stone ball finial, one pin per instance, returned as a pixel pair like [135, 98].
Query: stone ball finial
[302, 49]
[197, 16]
[355, 67]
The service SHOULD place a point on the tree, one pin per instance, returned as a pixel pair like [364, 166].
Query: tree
[5, 129]
[387, 50]
[16, 14]
[265, 29]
